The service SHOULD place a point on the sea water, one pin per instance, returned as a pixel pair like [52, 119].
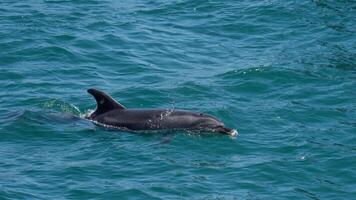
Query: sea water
[283, 73]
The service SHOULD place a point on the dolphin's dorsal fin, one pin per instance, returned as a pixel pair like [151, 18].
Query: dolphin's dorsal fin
[104, 102]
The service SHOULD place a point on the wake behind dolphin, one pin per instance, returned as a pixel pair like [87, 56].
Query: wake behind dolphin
[110, 113]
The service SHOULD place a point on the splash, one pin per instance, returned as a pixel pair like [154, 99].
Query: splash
[61, 106]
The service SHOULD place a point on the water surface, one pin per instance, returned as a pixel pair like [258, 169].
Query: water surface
[282, 73]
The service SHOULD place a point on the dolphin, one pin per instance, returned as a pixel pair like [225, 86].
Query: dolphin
[112, 114]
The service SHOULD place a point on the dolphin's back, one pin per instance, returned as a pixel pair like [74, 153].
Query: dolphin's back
[147, 119]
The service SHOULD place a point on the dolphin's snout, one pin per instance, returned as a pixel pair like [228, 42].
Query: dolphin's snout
[228, 131]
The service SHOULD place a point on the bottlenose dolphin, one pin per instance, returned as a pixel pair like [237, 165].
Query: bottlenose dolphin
[112, 114]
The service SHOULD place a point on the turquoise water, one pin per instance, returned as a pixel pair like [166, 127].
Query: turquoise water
[282, 73]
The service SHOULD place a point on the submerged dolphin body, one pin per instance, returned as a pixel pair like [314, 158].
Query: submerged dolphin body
[112, 114]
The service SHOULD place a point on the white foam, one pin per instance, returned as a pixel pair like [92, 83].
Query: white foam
[87, 113]
[234, 133]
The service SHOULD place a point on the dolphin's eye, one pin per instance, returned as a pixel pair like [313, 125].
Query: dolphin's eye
[201, 114]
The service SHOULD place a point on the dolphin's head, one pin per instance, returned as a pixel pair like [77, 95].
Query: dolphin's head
[211, 124]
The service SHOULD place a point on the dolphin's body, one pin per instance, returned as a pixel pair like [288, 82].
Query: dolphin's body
[112, 114]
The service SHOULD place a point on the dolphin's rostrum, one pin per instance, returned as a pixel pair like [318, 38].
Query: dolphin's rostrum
[112, 114]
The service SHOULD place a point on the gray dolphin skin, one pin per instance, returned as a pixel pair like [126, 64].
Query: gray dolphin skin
[112, 114]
